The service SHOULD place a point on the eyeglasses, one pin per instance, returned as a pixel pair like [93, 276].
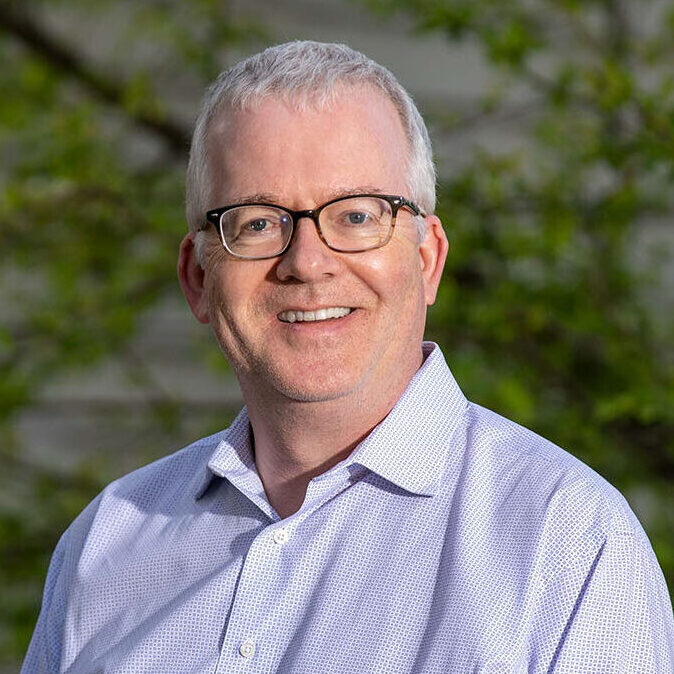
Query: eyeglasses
[348, 224]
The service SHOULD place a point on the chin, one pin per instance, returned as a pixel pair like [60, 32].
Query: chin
[320, 385]
[304, 396]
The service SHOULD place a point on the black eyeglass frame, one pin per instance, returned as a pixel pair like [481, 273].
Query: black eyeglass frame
[395, 201]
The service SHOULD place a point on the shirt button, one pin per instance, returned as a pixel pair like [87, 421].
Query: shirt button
[280, 536]
[247, 649]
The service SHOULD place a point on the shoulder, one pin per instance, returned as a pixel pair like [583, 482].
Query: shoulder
[169, 476]
[163, 479]
[522, 457]
[535, 488]
[162, 489]
[110, 526]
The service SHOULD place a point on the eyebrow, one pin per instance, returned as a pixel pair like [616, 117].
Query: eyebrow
[258, 197]
[269, 198]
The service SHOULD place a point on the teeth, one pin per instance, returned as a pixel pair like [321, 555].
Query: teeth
[318, 315]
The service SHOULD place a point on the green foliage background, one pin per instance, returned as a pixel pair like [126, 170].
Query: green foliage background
[553, 308]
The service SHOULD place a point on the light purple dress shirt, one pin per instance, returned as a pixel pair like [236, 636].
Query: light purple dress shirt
[451, 540]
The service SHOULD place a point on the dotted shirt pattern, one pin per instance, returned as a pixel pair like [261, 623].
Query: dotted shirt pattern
[451, 540]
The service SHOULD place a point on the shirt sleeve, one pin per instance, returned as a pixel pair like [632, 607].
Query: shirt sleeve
[43, 656]
[622, 619]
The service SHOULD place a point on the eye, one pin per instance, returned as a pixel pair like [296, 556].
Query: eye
[357, 218]
[258, 225]
[266, 223]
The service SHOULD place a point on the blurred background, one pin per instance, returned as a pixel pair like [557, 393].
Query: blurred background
[553, 124]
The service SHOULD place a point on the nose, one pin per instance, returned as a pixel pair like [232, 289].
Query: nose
[308, 259]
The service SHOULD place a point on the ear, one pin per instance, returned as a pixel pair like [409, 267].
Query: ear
[433, 251]
[191, 275]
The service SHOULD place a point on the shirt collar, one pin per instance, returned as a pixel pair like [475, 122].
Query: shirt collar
[411, 446]
[232, 457]
[408, 448]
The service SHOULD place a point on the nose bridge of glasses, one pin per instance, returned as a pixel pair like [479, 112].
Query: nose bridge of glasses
[311, 214]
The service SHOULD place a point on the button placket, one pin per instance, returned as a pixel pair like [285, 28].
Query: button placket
[255, 592]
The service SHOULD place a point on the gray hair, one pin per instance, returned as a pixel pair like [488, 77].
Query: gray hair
[305, 73]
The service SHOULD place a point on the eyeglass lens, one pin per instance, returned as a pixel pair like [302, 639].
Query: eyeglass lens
[350, 225]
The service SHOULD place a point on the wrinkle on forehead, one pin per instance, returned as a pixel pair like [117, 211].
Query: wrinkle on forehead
[276, 200]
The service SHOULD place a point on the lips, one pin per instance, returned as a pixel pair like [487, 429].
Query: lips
[297, 316]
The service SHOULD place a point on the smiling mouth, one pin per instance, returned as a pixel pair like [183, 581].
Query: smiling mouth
[317, 315]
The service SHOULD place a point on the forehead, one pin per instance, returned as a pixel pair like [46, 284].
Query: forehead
[309, 154]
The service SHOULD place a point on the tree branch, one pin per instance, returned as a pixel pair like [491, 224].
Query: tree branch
[63, 57]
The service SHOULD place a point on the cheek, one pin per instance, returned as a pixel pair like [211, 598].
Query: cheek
[222, 300]
[218, 310]
[234, 294]
[396, 278]
[228, 319]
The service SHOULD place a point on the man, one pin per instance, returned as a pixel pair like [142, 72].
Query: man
[359, 515]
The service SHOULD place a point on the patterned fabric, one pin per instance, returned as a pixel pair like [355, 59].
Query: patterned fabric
[451, 540]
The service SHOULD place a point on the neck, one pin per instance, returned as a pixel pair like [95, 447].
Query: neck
[296, 440]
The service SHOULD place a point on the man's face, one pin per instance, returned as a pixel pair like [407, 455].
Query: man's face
[301, 160]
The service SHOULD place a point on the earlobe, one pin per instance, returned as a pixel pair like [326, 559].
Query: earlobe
[191, 275]
[433, 252]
